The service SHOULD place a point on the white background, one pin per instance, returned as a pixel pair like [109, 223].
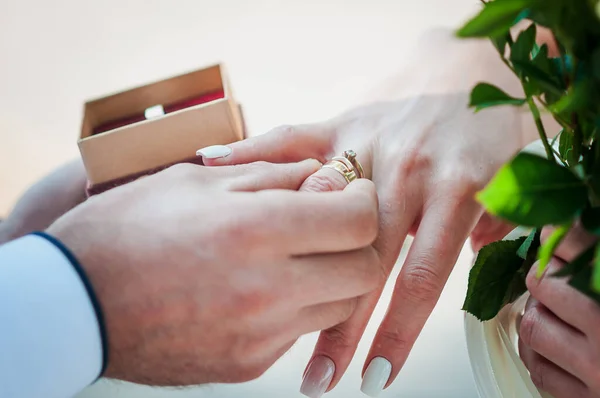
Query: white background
[289, 62]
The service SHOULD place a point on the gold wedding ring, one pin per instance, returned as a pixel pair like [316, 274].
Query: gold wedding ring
[351, 156]
[348, 166]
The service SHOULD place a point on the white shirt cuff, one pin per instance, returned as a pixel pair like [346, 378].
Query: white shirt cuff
[50, 334]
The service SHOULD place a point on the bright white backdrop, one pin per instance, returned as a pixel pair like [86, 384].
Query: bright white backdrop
[289, 61]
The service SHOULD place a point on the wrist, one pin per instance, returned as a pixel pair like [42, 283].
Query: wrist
[61, 242]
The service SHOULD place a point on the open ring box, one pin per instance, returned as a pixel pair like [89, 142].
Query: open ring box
[147, 129]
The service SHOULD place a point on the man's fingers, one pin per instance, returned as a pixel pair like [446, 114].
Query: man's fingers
[325, 222]
[332, 277]
[259, 176]
[561, 298]
[549, 336]
[550, 378]
[281, 145]
[439, 239]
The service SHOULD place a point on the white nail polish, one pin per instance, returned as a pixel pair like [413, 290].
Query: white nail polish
[376, 376]
[318, 377]
[214, 152]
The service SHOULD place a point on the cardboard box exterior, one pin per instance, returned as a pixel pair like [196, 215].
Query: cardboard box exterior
[124, 153]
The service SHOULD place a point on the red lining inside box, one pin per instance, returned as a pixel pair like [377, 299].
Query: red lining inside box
[203, 99]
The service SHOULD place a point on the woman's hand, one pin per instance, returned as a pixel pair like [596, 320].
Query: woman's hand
[209, 275]
[427, 155]
[559, 334]
[45, 201]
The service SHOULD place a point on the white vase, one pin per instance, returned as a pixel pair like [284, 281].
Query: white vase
[493, 345]
[494, 353]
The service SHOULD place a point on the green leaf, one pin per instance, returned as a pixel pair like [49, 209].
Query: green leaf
[496, 18]
[590, 219]
[565, 147]
[534, 191]
[541, 61]
[582, 281]
[524, 249]
[596, 273]
[530, 249]
[500, 42]
[494, 274]
[539, 77]
[576, 99]
[596, 63]
[535, 51]
[523, 46]
[485, 95]
[562, 67]
[547, 249]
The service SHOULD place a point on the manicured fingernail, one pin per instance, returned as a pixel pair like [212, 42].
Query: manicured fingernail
[318, 377]
[376, 376]
[214, 152]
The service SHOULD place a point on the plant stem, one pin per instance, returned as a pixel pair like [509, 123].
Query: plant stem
[540, 127]
[563, 123]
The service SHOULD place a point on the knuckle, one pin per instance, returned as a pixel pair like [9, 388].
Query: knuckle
[415, 162]
[321, 183]
[252, 302]
[285, 130]
[538, 370]
[395, 338]
[249, 233]
[530, 326]
[466, 188]
[420, 283]
[340, 337]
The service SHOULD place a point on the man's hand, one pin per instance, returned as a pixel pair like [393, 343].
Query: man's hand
[427, 155]
[559, 340]
[210, 274]
[44, 202]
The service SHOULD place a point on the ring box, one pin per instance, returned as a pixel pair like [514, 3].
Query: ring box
[149, 128]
